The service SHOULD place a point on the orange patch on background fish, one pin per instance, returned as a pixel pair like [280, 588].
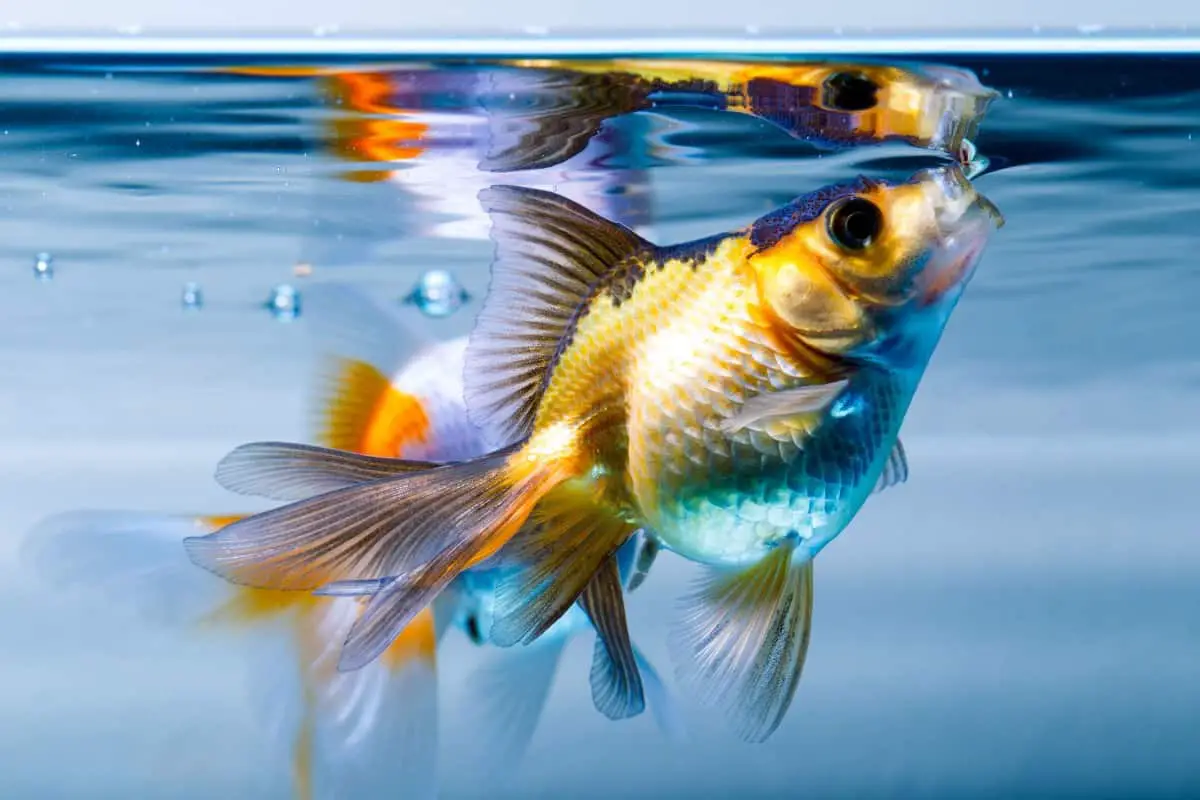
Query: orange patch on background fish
[215, 522]
[367, 414]
[417, 641]
[248, 606]
[302, 756]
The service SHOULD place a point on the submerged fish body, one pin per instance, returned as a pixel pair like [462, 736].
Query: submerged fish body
[739, 397]
[665, 359]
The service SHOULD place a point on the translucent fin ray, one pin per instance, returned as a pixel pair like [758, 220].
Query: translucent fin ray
[743, 639]
[616, 683]
[451, 514]
[287, 471]
[550, 252]
[559, 552]
[895, 471]
[763, 408]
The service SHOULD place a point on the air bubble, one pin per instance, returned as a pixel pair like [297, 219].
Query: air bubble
[437, 294]
[193, 296]
[284, 302]
[43, 266]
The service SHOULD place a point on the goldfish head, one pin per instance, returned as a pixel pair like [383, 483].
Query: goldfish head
[930, 106]
[866, 269]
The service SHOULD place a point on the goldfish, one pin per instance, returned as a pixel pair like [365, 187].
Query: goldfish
[378, 726]
[738, 398]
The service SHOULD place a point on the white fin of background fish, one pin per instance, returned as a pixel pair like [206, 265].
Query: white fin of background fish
[344, 322]
[370, 729]
[505, 697]
[347, 324]
[132, 559]
[379, 732]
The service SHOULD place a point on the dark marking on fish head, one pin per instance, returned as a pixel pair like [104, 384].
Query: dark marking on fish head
[768, 230]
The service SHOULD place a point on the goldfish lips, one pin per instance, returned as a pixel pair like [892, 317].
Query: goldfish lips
[952, 265]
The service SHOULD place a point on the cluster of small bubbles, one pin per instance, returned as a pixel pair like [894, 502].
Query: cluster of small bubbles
[43, 266]
[437, 294]
[193, 297]
[284, 302]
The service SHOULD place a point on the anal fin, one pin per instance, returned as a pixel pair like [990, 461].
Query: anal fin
[565, 542]
[616, 683]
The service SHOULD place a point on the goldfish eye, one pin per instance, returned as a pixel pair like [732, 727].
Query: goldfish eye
[854, 223]
[849, 91]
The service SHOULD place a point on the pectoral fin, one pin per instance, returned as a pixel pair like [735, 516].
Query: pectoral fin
[743, 638]
[763, 408]
[895, 471]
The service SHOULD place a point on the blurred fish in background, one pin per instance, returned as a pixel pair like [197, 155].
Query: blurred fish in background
[377, 726]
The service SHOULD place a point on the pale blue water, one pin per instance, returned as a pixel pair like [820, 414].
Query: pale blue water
[1022, 618]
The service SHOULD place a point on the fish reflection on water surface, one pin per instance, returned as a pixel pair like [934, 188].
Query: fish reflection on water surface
[531, 114]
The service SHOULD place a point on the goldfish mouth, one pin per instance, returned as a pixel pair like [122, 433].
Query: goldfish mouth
[955, 269]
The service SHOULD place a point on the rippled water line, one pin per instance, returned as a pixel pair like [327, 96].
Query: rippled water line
[513, 47]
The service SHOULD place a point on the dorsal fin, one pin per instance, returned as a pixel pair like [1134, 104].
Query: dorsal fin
[550, 253]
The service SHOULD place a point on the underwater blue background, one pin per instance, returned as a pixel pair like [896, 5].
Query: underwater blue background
[1020, 618]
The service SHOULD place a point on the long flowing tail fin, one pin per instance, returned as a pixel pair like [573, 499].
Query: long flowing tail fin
[425, 527]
